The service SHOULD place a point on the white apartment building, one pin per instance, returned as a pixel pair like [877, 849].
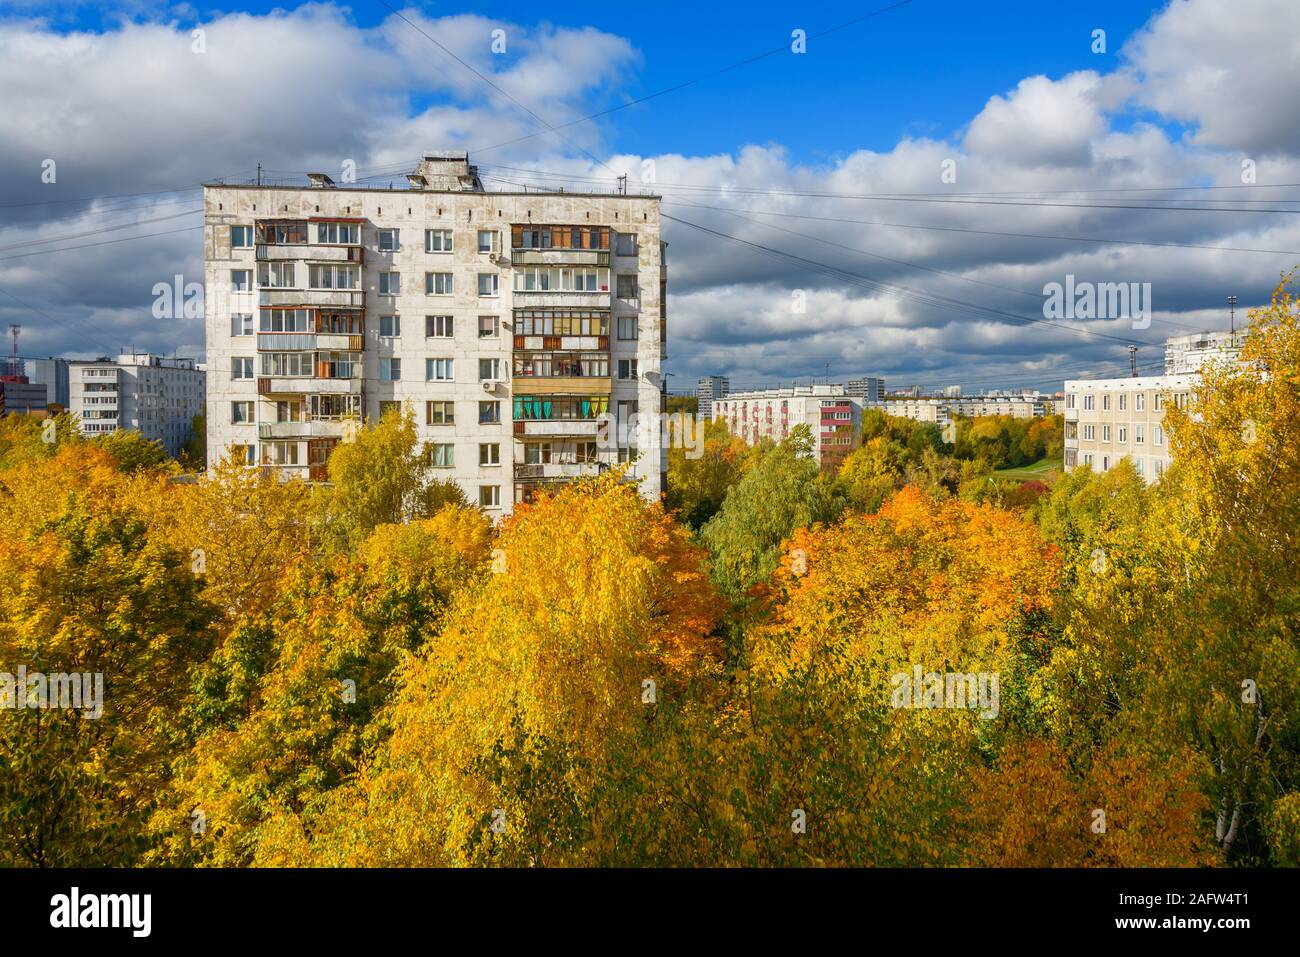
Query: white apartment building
[1185, 354]
[154, 395]
[707, 391]
[934, 411]
[834, 417]
[515, 326]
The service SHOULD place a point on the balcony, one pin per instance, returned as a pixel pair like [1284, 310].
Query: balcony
[562, 343]
[353, 298]
[557, 470]
[568, 385]
[307, 385]
[269, 252]
[555, 428]
[1071, 415]
[315, 429]
[307, 342]
[559, 257]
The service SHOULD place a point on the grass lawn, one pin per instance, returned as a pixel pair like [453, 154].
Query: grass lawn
[1035, 470]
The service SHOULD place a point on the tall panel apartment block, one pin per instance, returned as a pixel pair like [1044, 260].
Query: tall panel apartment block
[511, 324]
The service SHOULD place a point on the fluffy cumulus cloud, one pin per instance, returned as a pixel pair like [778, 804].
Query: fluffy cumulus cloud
[924, 262]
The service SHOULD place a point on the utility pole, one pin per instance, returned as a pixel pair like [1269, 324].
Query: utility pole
[622, 185]
[1232, 315]
[259, 174]
[1133, 361]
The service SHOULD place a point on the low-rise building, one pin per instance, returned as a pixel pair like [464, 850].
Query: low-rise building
[1107, 420]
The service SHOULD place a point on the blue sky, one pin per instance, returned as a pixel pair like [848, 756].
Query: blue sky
[1012, 93]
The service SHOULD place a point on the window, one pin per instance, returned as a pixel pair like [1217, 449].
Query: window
[347, 234]
[1089, 433]
[241, 324]
[1069, 401]
[1105, 403]
[283, 233]
[338, 365]
[440, 413]
[1160, 402]
[627, 327]
[627, 368]
[1105, 433]
[537, 453]
[276, 275]
[1122, 434]
[1137, 464]
[243, 454]
[1157, 435]
[285, 320]
[390, 327]
[279, 453]
[1140, 401]
[241, 237]
[288, 411]
[241, 367]
[1105, 462]
[286, 363]
[489, 240]
[444, 455]
[561, 322]
[390, 405]
[439, 370]
[561, 279]
[489, 368]
[489, 453]
[241, 412]
[627, 287]
[1139, 433]
[390, 283]
[438, 327]
[389, 241]
[1088, 403]
[437, 284]
[390, 370]
[625, 244]
[241, 280]
[437, 240]
[487, 327]
[333, 276]
[487, 283]
[489, 496]
[489, 413]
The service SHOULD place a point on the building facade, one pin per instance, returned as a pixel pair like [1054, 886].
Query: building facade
[707, 391]
[53, 373]
[1107, 420]
[833, 416]
[868, 389]
[524, 331]
[154, 395]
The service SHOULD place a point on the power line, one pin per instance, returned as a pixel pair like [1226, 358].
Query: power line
[107, 242]
[934, 300]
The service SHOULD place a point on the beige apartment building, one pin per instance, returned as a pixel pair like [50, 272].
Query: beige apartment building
[1110, 419]
[1107, 420]
[525, 330]
[834, 417]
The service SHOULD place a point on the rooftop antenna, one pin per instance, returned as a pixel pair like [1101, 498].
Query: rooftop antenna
[1232, 315]
[622, 185]
[259, 174]
[14, 329]
[1133, 361]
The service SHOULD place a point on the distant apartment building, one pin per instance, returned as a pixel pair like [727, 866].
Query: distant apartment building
[1107, 420]
[707, 391]
[868, 389]
[934, 411]
[53, 374]
[524, 330]
[952, 392]
[18, 396]
[834, 417]
[1190, 353]
[154, 395]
